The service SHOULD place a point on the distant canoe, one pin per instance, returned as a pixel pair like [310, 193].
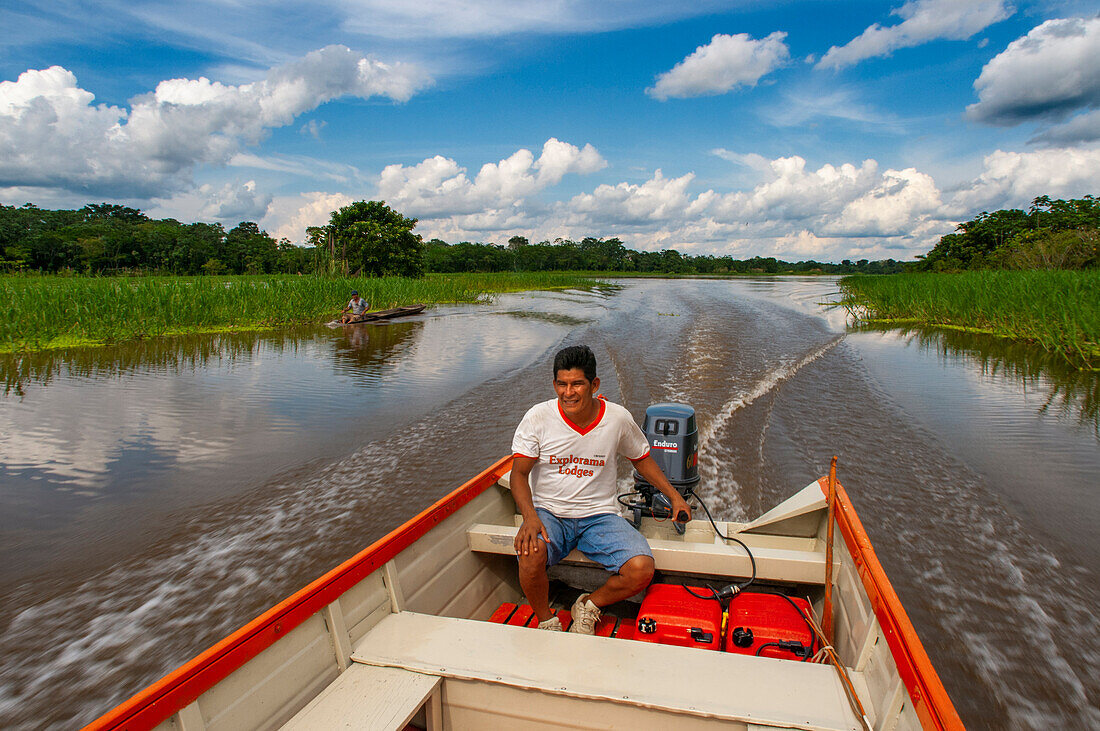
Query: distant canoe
[379, 315]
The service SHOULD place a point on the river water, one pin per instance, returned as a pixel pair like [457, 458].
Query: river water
[156, 496]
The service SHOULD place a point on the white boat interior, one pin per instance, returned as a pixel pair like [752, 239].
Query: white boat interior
[412, 641]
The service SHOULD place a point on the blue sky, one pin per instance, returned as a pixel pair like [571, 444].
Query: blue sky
[824, 130]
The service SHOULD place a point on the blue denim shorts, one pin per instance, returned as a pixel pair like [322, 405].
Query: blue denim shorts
[607, 539]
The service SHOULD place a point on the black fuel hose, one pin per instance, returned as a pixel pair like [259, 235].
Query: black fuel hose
[681, 517]
[625, 504]
[731, 590]
[798, 609]
[715, 595]
[792, 646]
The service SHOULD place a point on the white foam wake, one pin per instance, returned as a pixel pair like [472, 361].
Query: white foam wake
[765, 385]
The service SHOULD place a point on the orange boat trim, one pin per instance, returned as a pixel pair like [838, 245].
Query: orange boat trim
[930, 700]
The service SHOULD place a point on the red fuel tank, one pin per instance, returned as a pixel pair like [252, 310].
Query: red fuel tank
[671, 616]
[767, 625]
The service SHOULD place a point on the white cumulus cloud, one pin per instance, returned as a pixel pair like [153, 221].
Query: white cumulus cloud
[832, 212]
[53, 135]
[901, 203]
[657, 199]
[1049, 73]
[829, 212]
[794, 195]
[289, 216]
[1011, 179]
[727, 62]
[235, 203]
[439, 186]
[922, 21]
[228, 203]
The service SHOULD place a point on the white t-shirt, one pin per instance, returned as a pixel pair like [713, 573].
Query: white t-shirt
[576, 472]
[358, 308]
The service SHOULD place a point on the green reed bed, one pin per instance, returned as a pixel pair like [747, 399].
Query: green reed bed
[1059, 310]
[38, 312]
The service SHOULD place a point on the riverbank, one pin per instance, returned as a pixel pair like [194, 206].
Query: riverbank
[1058, 310]
[45, 312]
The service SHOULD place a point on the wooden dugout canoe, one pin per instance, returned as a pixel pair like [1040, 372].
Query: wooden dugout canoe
[379, 315]
[399, 634]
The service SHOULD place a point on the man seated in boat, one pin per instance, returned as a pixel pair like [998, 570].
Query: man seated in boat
[356, 307]
[564, 485]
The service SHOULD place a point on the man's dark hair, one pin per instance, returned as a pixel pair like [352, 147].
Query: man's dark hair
[576, 356]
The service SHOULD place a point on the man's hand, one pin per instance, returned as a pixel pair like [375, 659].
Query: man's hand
[647, 468]
[527, 538]
[679, 505]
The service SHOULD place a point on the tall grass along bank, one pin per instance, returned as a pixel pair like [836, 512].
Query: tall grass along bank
[1059, 310]
[41, 312]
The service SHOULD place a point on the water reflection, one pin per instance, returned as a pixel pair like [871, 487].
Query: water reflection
[20, 371]
[96, 440]
[1067, 391]
[95, 420]
[367, 351]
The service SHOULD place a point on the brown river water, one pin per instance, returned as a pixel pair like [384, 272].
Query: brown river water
[156, 496]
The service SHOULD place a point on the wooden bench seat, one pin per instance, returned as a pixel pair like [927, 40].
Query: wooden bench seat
[688, 682]
[371, 698]
[773, 562]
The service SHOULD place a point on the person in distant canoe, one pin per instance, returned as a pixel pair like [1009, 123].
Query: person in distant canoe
[355, 309]
[564, 485]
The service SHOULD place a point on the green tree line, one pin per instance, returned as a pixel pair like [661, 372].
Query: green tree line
[105, 238]
[612, 255]
[370, 238]
[366, 238]
[1051, 234]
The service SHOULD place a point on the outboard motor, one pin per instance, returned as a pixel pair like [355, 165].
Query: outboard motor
[674, 445]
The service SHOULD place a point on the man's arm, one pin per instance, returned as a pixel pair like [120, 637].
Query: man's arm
[648, 469]
[527, 538]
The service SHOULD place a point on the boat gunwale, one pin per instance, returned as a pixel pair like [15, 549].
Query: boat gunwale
[926, 692]
[181, 687]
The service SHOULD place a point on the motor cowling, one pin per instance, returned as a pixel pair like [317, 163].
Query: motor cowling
[674, 445]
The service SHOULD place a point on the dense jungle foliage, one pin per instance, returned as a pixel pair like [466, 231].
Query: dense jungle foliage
[1051, 234]
[366, 238]
[371, 239]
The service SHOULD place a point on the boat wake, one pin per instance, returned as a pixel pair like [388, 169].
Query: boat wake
[130, 624]
[715, 459]
[126, 626]
[764, 386]
[1027, 660]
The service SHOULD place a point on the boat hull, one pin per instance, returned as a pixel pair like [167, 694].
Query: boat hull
[447, 570]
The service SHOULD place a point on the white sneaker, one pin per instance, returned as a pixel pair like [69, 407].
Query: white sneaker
[553, 624]
[585, 615]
